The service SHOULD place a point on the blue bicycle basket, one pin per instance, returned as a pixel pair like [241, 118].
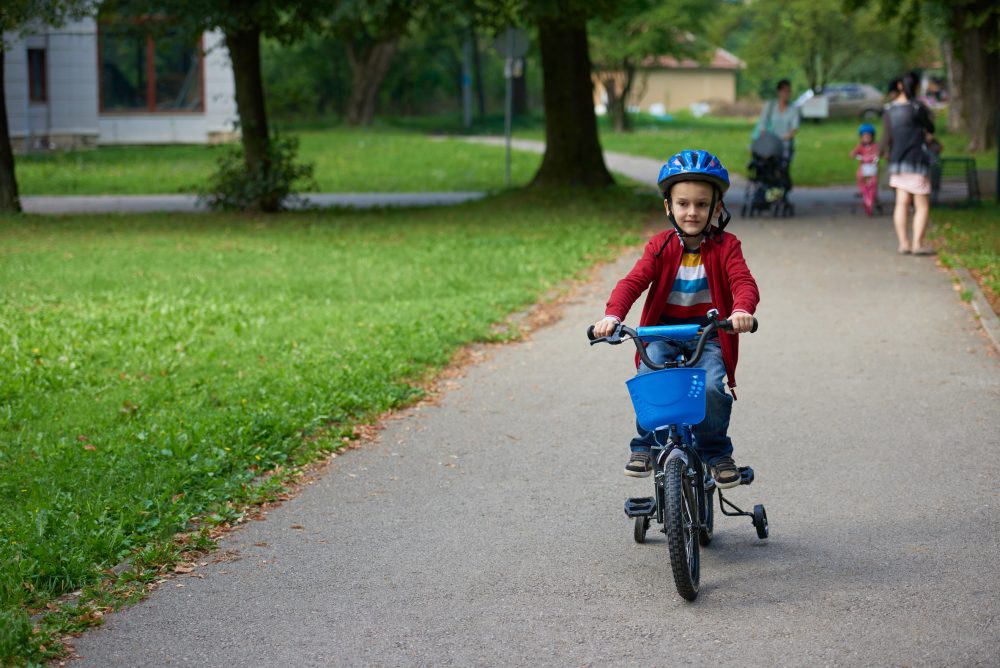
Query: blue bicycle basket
[668, 396]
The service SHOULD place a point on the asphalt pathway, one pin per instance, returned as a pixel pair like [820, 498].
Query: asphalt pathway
[487, 529]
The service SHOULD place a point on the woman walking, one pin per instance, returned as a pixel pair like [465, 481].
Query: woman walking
[907, 126]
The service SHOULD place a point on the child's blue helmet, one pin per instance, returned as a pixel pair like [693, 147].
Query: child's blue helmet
[693, 166]
[866, 127]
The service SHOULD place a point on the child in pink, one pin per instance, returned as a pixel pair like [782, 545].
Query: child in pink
[867, 152]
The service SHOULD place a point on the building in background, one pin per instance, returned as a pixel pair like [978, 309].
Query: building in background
[93, 82]
[666, 84]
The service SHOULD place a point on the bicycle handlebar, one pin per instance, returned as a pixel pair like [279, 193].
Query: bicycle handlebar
[621, 329]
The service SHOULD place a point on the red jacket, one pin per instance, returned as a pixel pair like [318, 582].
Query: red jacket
[729, 281]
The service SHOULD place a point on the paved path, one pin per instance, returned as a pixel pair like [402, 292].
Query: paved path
[62, 204]
[488, 529]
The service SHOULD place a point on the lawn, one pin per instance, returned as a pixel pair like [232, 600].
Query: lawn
[405, 162]
[971, 238]
[153, 367]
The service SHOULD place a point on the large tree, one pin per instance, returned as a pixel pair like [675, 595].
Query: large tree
[17, 17]
[573, 155]
[640, 30]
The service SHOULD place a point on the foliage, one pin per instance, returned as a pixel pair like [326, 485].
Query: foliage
[19, 15]
[286, 20]
[154, 368]
[641, 29]
[307, 79]
[238, 186]
[812, 43]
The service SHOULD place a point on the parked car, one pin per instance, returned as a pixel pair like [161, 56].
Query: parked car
[842, 100]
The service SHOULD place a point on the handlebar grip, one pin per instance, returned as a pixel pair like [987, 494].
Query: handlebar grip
[727, 325]
[590, 333]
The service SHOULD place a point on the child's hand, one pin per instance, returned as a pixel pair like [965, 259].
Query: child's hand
[605, 326]
[742, 322]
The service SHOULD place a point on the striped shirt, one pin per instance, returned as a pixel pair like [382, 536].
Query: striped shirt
[689, 299]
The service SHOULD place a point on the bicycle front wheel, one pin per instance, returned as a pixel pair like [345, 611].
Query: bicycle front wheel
[680, 519]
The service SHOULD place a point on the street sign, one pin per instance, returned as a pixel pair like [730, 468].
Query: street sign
[512, 43]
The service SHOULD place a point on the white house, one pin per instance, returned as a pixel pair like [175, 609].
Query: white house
[93, 82]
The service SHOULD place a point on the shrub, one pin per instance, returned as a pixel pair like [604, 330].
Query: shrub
[270, 186]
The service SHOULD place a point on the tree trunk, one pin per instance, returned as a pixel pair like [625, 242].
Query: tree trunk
[573, 154]
[244, 49]
[368, 69]
[953, 65]
[980, 65]
[615, 101]
[477, 68]
[9, 200]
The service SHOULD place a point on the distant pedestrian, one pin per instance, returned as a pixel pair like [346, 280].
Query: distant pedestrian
[866, 152]
[907, 125]
[780, 117]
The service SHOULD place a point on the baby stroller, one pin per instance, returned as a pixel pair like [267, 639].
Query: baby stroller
[769, 182]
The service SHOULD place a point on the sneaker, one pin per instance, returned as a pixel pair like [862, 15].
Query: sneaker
[639, 465]
[725, 473]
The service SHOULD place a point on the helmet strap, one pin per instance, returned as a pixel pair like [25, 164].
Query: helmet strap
[724, 217]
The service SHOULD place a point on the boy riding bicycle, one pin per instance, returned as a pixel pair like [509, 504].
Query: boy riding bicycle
[690, 269]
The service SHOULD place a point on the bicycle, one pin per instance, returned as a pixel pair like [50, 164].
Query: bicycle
[669, 400]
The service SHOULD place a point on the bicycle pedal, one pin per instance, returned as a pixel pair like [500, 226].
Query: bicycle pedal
[640, 506]
[746, 475]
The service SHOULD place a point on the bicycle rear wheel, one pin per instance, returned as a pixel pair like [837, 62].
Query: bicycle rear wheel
[680, 519]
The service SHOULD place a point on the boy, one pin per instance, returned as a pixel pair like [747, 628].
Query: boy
[690, 269]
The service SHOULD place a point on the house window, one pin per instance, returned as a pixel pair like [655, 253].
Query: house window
[150, 71]
[37, 88]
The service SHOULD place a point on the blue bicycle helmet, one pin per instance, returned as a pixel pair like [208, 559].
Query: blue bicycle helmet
[866, 127]
[695, 166]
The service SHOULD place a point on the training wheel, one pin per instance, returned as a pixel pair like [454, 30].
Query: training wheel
[760, 521]
[641, 524]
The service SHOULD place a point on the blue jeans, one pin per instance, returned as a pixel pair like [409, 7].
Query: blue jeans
[710, 435]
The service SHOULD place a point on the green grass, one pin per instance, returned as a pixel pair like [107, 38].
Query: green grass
[971, 238]
[151, 367]
[346, 160]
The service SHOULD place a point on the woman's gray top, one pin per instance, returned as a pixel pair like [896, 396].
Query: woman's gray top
[906, 128]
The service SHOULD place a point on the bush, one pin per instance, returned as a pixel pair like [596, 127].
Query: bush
[269, 187]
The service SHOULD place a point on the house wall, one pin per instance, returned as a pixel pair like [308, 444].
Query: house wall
[70, 118]
[678, 89]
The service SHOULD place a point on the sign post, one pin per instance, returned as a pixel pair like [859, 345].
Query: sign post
[512, 44]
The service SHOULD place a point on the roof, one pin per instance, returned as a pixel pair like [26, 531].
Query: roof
[721, 60]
